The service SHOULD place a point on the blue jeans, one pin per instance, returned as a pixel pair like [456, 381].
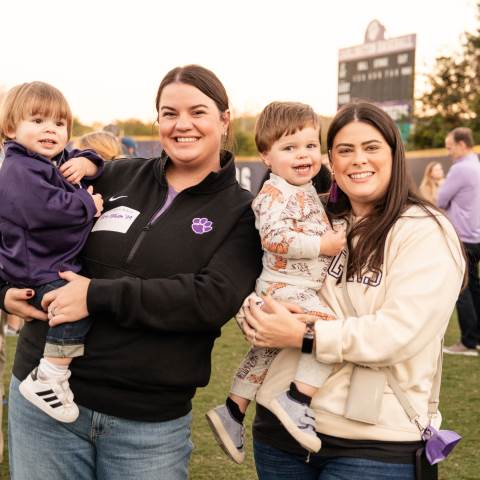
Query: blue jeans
[273, 464]
[67, 339]
[95, 447]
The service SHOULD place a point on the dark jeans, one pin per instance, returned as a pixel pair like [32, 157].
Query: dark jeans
[468, 303]
[67, 339]
[273, 464]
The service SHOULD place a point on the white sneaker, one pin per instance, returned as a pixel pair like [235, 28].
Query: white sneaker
[298, 419]
[460, 349]
[53, 396]
[11, 332]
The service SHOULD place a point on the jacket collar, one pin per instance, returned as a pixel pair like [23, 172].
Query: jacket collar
[214, 181]
[14, 148]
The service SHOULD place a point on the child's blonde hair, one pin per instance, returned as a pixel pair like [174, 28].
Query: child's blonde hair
[106, 144]
[32, 98]
[282, 118]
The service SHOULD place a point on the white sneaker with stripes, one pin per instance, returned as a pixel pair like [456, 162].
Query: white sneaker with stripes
[53, 396]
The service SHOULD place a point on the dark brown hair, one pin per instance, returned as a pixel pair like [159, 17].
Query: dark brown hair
[205, 81]
[371, 232]
[282, 118]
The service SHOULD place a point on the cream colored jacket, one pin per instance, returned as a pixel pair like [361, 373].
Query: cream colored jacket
[403, 315]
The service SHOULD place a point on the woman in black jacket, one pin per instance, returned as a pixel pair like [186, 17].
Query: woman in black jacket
[167, 264]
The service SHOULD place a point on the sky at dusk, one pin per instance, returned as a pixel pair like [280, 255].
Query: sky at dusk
[108, 57]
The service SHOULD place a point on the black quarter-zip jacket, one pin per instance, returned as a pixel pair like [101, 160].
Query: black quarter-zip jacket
[159, 292]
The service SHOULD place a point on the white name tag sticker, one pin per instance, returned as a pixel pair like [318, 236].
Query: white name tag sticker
[116, 220]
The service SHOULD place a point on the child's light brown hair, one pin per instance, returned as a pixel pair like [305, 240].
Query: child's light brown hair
[283, 118]
[32, 98]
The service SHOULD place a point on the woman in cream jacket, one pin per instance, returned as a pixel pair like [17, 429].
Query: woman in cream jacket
[404, 273]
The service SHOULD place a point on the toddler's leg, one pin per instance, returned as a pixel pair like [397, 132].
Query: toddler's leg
[226, 421]
[48, 389]
[311, 374]
[47, 385]
[292, 408]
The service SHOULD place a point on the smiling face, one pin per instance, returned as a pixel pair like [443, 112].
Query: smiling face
[190, 127]
[295, 157]
[362, 164]
[41, 134]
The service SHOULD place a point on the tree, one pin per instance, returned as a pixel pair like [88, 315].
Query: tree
[453, 97]
[79, 129]
[244, 141]
[133, 127]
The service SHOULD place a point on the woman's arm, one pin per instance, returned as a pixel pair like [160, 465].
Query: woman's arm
[423, 279]
[449, 188]
[186, 302]
[423, 274]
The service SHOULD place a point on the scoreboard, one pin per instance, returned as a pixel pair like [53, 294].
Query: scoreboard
[381, 71]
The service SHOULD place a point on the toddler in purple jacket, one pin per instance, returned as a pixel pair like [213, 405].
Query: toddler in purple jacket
[45, 218]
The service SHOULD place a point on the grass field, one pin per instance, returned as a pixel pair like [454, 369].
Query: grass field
[460, 406]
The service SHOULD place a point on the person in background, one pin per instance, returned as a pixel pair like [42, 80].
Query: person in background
[104, 143]
[129, 147]
[433, 177]
[459, 196]
[393, 300]
[167, 265]
[13, 325]
[113, 129]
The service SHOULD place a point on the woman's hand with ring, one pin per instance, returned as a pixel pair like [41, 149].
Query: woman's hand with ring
[51, 311]
[279, 329]
[67, 303]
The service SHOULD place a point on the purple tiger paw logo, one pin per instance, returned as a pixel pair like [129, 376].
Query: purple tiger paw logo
[201, 225]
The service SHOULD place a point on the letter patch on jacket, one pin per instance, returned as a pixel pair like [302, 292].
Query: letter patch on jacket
[116, 220]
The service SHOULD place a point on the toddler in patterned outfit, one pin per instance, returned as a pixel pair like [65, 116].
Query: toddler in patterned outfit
[298, 245]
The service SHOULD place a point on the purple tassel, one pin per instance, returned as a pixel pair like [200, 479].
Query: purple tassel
[439, 443]
[333, 196]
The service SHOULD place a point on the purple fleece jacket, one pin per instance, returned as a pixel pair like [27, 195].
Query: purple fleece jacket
[44, 220]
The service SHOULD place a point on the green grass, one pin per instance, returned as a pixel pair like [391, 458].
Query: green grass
[460, 406]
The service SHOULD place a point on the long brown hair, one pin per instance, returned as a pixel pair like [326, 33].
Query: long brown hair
[371, 231]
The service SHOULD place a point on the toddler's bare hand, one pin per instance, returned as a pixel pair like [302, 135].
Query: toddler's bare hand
[332, 243]
[74, 169]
